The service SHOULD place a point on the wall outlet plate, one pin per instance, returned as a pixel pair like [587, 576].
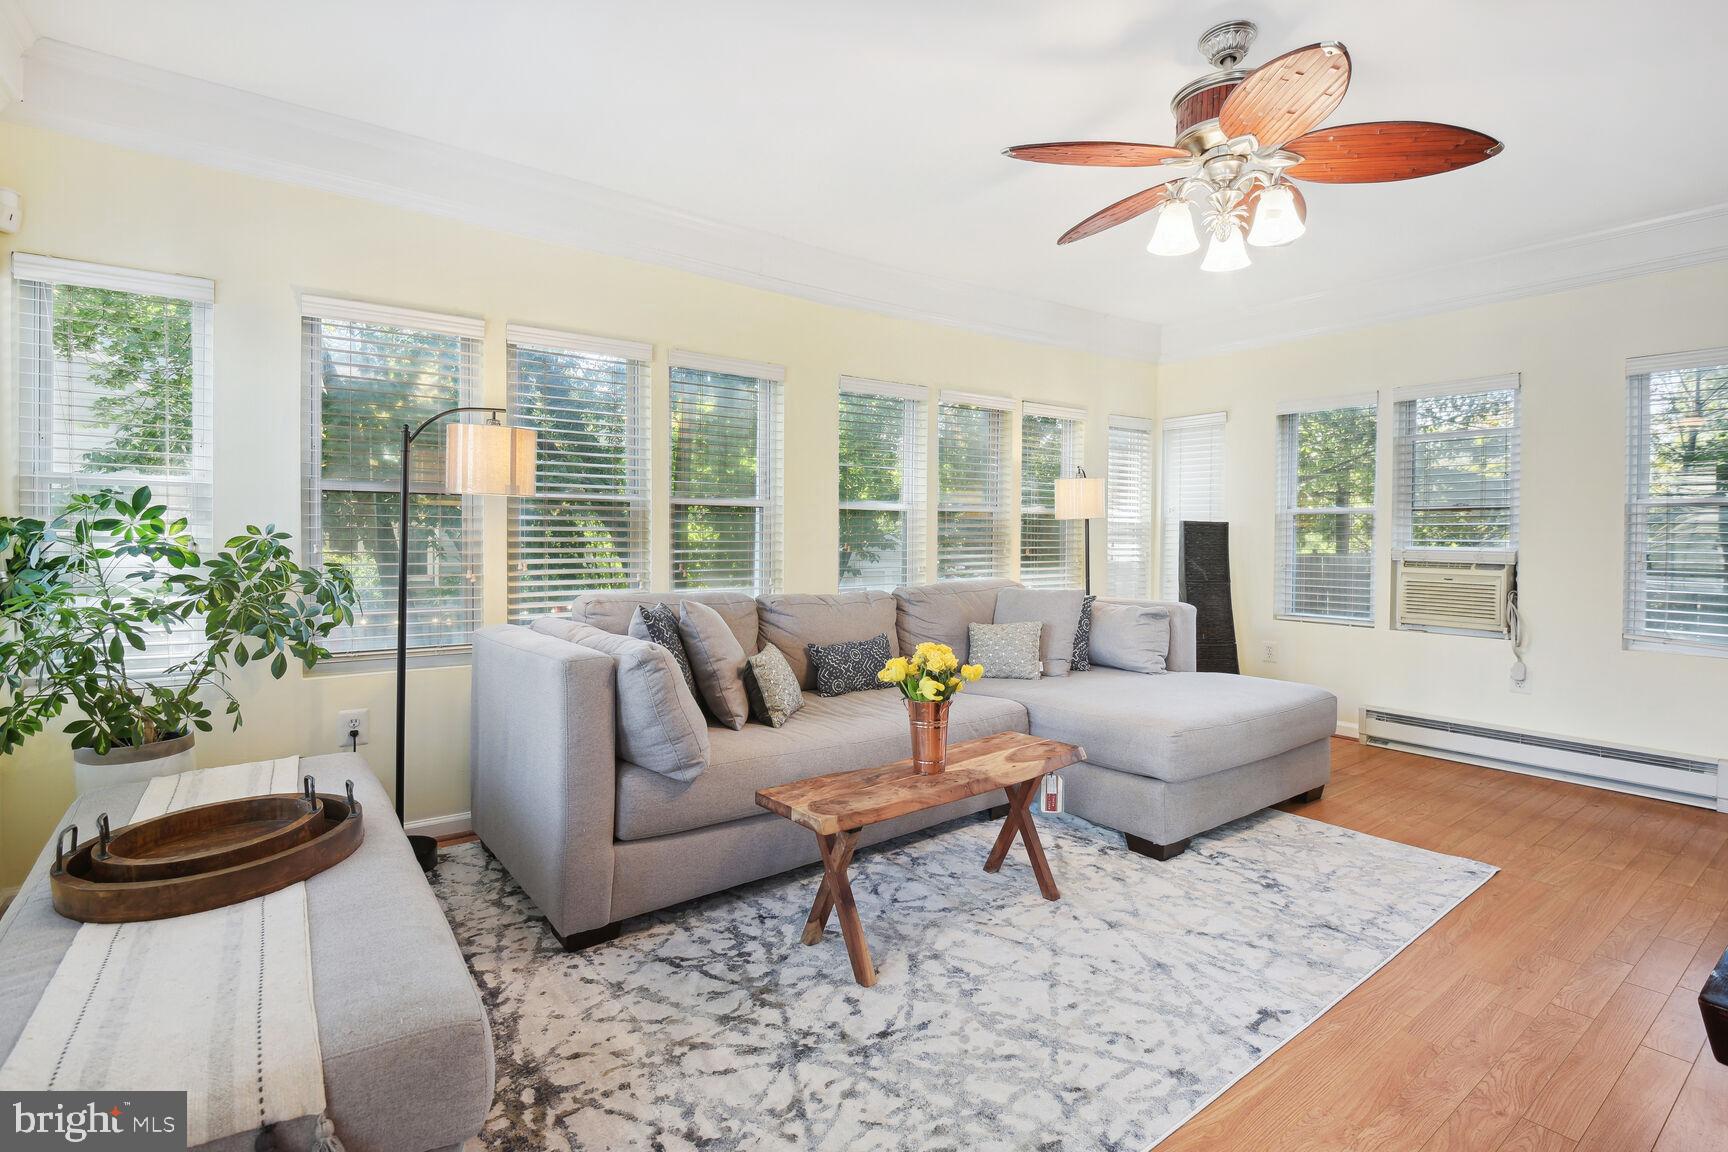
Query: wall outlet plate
[11, 211]
[1268, 651]
[353, 722]
[1522, 687]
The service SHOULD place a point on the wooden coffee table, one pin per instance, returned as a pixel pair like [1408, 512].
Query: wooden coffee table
[835, 807]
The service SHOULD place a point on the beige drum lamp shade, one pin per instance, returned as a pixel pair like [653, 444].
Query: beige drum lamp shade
[489, 459]
[1079, 497]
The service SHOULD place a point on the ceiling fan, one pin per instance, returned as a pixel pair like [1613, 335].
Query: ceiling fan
[1243, 136]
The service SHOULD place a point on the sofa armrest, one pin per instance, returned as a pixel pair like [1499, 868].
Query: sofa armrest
[543, 776]
[1182, 627]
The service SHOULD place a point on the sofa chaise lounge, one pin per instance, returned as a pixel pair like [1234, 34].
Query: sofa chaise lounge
[594, 839]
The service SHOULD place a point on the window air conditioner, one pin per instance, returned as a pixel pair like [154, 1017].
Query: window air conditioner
[1460, 595]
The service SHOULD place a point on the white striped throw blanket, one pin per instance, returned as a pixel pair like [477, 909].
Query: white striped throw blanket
[218, 1004]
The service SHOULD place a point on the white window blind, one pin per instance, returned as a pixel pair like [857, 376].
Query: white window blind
[369, 369]
[972, 526]
[726, 448]
[883, 438]
[1457, 466]
[115, 391]
[586, 526]
[1193, 486]
[1324, 562]
[1677, 501]
[1128, 491]
[1052, 444]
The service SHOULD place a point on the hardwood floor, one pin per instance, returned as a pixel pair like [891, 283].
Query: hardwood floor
[1553, 1011]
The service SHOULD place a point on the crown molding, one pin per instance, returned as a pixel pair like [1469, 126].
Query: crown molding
[16, 37]
[1643, 248]
[100, 97]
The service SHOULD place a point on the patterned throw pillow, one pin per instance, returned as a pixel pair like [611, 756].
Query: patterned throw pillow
[660, 625]
[773, 687]
[1083, 637]
[1007, 651]
[849, 666]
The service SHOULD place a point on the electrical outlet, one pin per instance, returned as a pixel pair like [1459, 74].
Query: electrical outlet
[1520, 678]
[351, 723]
[1268, 651]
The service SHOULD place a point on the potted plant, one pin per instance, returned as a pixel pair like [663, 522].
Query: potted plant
[930, 678]
[98, 586]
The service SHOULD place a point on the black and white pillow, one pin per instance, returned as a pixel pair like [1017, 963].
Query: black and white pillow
[1083, 637]
[660, 625]
[849, 666]
[772, 687]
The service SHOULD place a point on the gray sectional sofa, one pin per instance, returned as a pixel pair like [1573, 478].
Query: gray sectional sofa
[594, 839]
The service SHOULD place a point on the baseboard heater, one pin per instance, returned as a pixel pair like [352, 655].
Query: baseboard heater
[1641, 771]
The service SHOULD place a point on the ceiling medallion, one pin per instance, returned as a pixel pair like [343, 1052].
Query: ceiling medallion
[1242, 138]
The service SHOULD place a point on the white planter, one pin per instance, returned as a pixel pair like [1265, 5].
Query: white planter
[91, 770]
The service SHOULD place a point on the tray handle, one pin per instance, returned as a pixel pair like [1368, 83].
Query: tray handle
[309, 793]
[103, 832]
[60, 847]
[352, 807]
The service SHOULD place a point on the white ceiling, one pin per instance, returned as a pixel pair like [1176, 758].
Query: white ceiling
[873, 129]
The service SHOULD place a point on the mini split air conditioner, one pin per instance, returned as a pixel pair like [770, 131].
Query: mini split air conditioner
[1459, 595]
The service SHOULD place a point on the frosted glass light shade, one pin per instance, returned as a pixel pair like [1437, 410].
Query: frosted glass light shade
[1276, 218]
[1079, 497]
[489, 460]
[1173, 230]
[1226, 255]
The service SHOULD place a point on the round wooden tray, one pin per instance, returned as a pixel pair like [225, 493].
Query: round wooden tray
[204, 857]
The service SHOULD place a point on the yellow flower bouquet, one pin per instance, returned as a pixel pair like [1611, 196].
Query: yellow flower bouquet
[930, 675]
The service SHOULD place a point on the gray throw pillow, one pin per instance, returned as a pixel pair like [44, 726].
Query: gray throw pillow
[1132, 637]
[849, 666]
[1007, 651]
[660, 625]
[1083, 637]
[773, 687]
[1058, 610]
[717, 661]
[660, 726]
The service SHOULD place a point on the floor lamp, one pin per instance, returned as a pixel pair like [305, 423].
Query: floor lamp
[1081, 497]
[479, 460]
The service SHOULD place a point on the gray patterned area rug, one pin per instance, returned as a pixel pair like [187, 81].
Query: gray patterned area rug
[999, 1020]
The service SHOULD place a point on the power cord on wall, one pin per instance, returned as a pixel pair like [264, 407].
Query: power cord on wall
[1515, 634]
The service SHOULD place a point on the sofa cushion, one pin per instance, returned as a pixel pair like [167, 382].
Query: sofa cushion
[1057, 609]
[717, 659]
[1176, 727]
[1131, 637]
[658, 624]
[773, 690]
[830, 734]
[941, 613]
[849, 666]
[1007, 651]
[790, 622]
[660, 726]
[611, 611]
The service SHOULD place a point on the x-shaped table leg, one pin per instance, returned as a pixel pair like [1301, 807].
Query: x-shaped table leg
[1020, 820]
[836, 893]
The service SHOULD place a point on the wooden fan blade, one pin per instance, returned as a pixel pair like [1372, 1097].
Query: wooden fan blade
[1387, 150]
[1098, 153]
[1120, 212]
[1291, 95]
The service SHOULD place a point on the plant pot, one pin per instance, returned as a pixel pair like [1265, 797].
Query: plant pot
[929, 735]
[91, 769]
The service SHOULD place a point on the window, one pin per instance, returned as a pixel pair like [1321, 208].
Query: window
[1457, 464]
[883, 436]
[1677, 501]
[115, 392]
[725, 473]
[1051, 445]
[1193, 486]
[1325, 533]
[972, 528]
[369, 370]
[586, 526]
[1129, 508]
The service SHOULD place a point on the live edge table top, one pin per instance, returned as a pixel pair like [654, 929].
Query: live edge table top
[847, 801]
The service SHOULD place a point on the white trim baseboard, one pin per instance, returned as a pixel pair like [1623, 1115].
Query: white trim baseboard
[438, 827]
[1349, 729]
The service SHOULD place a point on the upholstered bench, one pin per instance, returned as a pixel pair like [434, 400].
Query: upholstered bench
[407, 1050]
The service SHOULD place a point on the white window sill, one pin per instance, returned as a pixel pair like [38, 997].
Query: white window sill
[1339, 620]
[366, 663]
[1680, 647]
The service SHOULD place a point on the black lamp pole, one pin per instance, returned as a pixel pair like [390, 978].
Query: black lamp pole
[425, 847]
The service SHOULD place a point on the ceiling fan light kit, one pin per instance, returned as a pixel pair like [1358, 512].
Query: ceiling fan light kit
[1242, 137]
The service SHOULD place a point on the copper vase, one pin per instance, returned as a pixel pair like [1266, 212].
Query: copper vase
[929, 735]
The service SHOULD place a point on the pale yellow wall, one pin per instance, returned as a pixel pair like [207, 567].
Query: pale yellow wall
[263, 243]
[1571, 350]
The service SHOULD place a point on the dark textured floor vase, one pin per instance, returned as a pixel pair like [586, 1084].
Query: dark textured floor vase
[929, 735]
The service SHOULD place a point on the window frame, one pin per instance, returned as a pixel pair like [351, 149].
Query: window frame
[1070, 534]
[1003, 483]
[1639, 502]
[1171, 432]
[914, 479]
[1142, 524]
[1287, 508]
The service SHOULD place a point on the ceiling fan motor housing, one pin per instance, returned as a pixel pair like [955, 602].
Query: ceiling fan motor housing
[1225, 46]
